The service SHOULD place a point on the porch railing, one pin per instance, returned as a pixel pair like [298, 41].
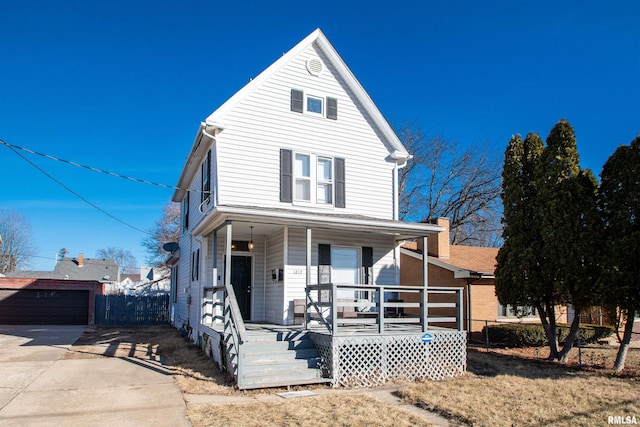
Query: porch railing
[235, 332]
[336, 307]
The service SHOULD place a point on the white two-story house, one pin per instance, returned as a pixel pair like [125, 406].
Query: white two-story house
[290, 223]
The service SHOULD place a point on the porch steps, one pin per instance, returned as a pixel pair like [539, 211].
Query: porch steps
[276, 360]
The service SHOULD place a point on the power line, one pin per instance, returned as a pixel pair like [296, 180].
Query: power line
[91, 168]
[60, 183]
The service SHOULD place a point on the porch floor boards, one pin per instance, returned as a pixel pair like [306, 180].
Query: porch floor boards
[258, 329]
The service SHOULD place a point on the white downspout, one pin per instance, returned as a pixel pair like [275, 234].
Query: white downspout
[404, 158]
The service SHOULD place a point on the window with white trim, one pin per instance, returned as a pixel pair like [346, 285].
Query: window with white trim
[314, 105]
[302, 102]
[302, 172]
[324, 192]
[509, 311]
[313, 179]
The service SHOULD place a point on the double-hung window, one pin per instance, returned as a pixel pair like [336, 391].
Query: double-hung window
[324, 192]
[303, 177]
[313, 179]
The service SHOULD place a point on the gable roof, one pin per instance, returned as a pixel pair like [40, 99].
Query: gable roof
[464, 261]
[215, 121]
[102, 270]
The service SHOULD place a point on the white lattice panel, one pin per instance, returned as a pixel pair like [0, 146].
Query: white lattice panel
[372, 360]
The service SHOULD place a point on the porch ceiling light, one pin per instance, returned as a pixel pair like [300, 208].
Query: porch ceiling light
[251, 245]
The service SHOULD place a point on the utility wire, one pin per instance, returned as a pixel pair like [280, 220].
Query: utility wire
[60, 183]
[91, 168]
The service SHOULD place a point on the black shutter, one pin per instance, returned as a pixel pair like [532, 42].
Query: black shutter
[297, 103]
[324, 264]
[285, 175]
[340, 183]
[332, 108]
[367, 263]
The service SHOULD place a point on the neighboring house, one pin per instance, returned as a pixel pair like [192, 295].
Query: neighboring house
[290, 208]
[470, 268]
[150, 281]
[105, 271]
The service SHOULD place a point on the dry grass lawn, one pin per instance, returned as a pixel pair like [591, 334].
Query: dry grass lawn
[501, 388]
[504, 390]
[326, 410]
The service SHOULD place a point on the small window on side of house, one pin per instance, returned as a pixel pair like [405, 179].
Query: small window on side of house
[195, 265]
[205, 190]
[185, 212]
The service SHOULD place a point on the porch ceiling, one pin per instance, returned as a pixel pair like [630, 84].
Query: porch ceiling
[265, 220]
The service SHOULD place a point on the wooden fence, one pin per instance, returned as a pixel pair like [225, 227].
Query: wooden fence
[121, 310]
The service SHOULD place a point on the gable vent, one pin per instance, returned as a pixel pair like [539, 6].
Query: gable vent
[314, 66]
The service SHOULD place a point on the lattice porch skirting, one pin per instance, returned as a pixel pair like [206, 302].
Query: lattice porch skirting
[372, 360]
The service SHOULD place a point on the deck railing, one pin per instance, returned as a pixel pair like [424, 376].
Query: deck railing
[337, 307]
[234, 331]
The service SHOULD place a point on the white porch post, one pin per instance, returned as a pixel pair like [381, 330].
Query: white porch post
[227, 251]
[425, 286]
[308, 278]
[308, 256]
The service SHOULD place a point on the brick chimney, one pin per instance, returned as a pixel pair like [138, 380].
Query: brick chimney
[438, 245]
[80, 260]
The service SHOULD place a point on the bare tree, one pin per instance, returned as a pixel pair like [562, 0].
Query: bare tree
[166, 230]
[16, 246]
[443, 181]
[125, 259]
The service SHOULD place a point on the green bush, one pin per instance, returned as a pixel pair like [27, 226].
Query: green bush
[532, 335]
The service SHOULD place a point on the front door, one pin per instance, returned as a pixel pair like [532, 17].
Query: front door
[241, 269]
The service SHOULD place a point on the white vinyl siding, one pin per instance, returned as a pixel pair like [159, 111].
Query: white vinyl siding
[248, 149]
[274, 289]
[383, 271]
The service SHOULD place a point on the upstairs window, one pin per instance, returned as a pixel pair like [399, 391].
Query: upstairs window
[205, 187]
[324, 192]
[185, 212]
[313, 104]
[303, 177]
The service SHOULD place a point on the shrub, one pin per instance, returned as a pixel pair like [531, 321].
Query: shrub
[532, 335]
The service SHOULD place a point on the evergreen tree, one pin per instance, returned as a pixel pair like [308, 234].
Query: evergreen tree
[620, 207]
[550, 220]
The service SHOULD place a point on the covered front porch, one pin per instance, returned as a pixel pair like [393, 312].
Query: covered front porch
[367, 331]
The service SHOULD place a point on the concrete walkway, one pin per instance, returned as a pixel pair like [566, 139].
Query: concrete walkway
[39, 388]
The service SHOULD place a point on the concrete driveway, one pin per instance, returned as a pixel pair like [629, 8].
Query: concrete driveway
[39, 388]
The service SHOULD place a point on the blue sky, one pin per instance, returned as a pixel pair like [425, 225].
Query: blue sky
[123, 85]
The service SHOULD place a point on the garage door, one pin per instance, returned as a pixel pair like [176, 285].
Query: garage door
[44, 307]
